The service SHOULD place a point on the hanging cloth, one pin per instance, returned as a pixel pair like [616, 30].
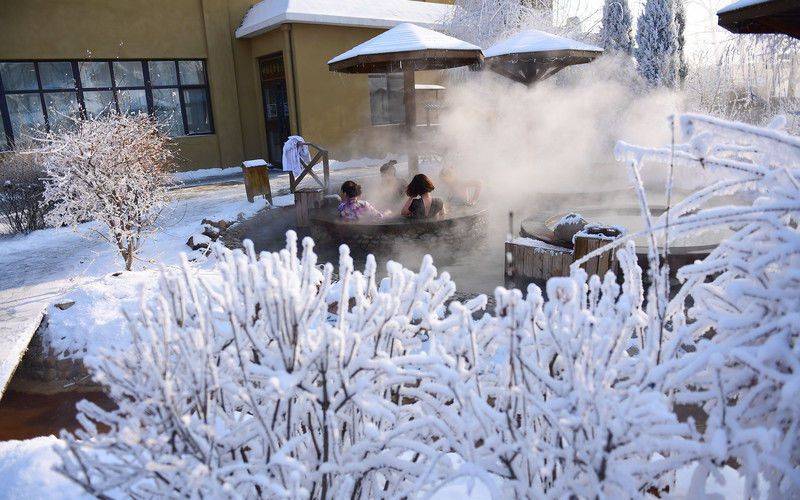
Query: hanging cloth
[293, 152]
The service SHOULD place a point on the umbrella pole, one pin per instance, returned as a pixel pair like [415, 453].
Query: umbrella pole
[410, 103]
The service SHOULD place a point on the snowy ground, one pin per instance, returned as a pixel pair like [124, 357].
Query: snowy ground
[56, 264]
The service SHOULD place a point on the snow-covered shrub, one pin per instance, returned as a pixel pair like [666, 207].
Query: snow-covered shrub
[21, 192]
[269, 380]
[743, 299]
[616, 31]
[111, 170]
[552, 397]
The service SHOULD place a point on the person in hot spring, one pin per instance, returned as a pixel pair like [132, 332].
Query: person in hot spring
[392, 188]
[419, 202]
[458, 190]
[352, 208]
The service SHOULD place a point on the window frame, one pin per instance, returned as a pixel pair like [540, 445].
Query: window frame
[79, 91]
[389, 122]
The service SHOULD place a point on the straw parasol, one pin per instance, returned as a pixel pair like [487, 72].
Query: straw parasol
[407, 48]
[762, 16]
[533, 55]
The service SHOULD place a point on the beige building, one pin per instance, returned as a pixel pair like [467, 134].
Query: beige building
[229, 79]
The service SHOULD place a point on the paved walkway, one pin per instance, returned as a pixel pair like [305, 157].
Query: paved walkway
[37, 269]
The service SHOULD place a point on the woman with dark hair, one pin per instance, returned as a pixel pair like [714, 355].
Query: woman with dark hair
[351, 208]
[420, 204]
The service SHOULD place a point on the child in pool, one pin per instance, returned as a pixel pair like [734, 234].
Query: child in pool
[352, 208]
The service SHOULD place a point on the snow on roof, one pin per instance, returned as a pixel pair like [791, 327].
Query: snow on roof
[405, 37]
[740, 5]
[536, 41]
[269, 14]
[427, 86]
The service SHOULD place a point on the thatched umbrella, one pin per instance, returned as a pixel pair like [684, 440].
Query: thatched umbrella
[533, 55]
[407, 48]
[762, 16]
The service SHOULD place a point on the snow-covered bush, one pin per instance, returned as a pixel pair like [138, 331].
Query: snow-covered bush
[21, 192]
[271, 380]
[111, 170]
[616, 31]
[556, 397]
[743, 299]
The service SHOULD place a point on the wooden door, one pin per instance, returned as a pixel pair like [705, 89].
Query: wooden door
[276, 106]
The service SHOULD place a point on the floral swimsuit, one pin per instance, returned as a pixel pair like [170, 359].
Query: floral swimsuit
[357, 209]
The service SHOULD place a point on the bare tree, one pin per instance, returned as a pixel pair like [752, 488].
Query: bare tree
[111, 171]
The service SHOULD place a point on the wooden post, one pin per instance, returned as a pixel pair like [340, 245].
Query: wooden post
[508, 258]
[589, 240]
[256, 180]
[305, 200]
[410, 104]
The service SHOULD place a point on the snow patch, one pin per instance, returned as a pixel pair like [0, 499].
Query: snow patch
[540, 245]
[269, 14]
[741, 4]
[405, 37]
[536, 41]
[26, 469]
[205, 173]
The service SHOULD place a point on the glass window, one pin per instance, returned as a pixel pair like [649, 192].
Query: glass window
[62, 109]
[167, 110]
[132, 101]
[98, 102]
[197, 118]
[39, 95]
[162, 73]
[26, 115]
[94, 74]
[386, 99]
[56, 75]
[18, 76]
[128, 74]
[192, 72]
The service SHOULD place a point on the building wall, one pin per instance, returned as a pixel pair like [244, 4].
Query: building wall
[330, 109]
[140, 29]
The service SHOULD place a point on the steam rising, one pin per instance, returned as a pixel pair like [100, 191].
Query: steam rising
[555, 136]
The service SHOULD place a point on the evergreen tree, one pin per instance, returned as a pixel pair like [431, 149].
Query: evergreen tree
[656, 43]
[616, 33]
[680, 28]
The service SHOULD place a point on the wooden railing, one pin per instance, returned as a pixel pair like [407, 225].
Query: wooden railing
[320, 155]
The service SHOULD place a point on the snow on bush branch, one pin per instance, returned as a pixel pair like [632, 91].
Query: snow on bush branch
[111, 170]
[743, 299]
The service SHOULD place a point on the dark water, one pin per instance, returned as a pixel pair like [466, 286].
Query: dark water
[25, 416]
[475, 262]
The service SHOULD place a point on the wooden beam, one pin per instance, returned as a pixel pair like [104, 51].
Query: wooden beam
[410, 104]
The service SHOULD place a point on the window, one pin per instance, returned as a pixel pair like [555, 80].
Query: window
[37, 96]
[386, 99]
